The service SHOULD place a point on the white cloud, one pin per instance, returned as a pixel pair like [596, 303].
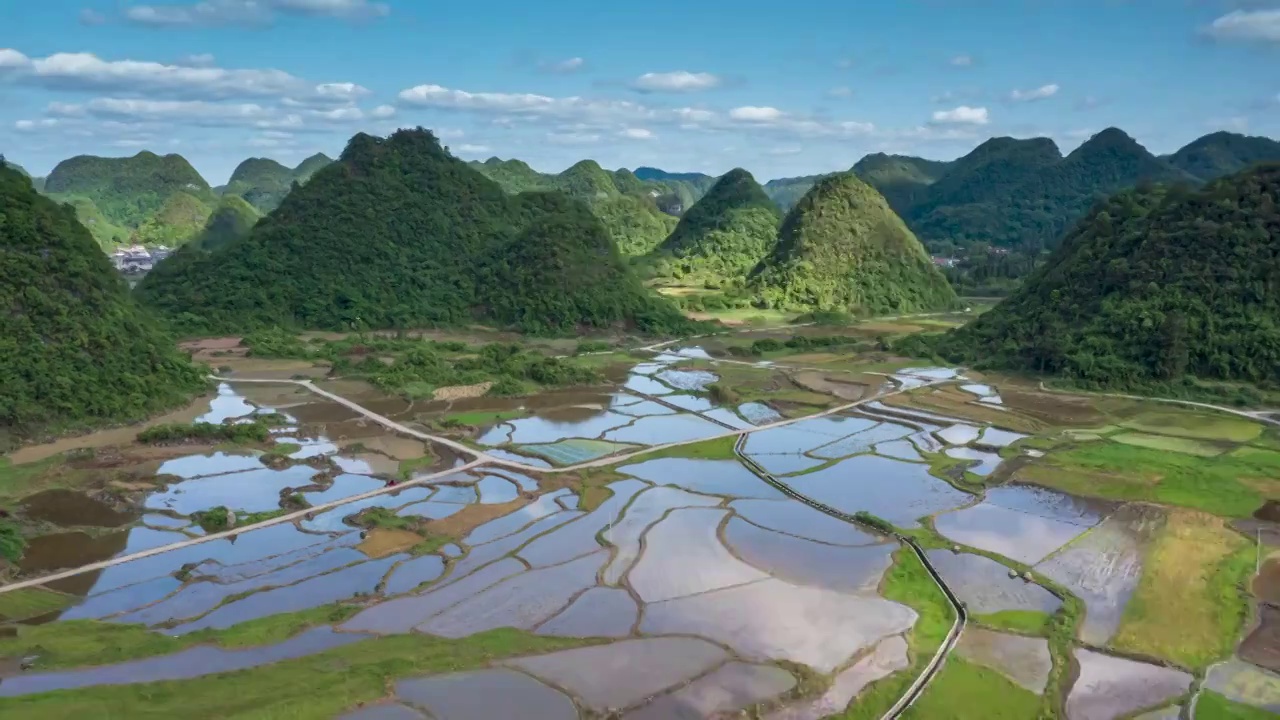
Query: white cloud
[840, 92]
[213, 13]
[786, 150]
[346, 114]
[197, 60]
[568, 65]
[197, 112]
[636, 134]
[88, 72]
[678, 81]
[1247, 25]
[962, 61]
[89, 16]
[472, 149]
[1040, 93]
[330, 94]
[962, 115]
[524, 104]
[752, 113]
[382, 112]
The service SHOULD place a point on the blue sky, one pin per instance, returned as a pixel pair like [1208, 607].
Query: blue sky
[780, 88]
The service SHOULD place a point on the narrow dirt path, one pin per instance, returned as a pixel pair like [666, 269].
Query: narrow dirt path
[1255, 415]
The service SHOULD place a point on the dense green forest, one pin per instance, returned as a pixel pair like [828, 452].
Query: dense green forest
[263, 183]
[564, 273]
[626, 205]
[127, 191]
[397, 233]
[1223, 153]
[75, 349]
[1157, 284]
[724, 235]
[842, 248]
[233, 218]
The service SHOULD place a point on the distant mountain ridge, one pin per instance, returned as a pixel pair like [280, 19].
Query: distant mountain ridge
[263, 182]
[628, 206]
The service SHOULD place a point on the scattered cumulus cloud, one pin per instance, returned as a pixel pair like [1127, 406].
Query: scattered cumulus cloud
[564, 67]
[1261, 25]
[678, 81]
[89, 16]
[962, 61]
[89, 73]
[962, 115]
[751, 113]
[636, 134]
[842, 92]
[473, 149]
[197, 60]
[1040, 93]
[215, 13]
[382, 112]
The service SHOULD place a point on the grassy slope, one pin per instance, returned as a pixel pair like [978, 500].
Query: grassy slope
[1191, 603]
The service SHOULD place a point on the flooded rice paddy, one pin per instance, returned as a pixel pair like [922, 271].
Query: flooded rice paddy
[709, 587]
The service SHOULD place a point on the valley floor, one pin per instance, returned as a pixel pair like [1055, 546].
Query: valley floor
[750, 521]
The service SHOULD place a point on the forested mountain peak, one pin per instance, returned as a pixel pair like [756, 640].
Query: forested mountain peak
[76, 350]
[842, 247]
[726, 233]
[143, 172]
[1153, 285]
[585, 179]
[650, 173]
[1222, 153]
[563, 272]
[310, 166]
[254, 170]
[433, 232]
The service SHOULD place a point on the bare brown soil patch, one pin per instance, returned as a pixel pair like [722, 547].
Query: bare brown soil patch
[112, 436]
[265, 368]
[1262, 646]
[470, 517]
[1053, 409]
[1266, 586]
[381, 542]
[840, 387]
[458, 392]
[218, 343]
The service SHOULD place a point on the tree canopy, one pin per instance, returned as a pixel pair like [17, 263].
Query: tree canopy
[726, 233]
[397, 233]
[75, 349]
[1154, 285]
[842, 248]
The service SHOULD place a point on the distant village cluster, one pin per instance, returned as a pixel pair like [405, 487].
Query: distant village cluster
[136, 259]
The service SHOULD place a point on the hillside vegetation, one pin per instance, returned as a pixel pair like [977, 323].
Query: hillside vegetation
[725, 234]
[75, 350]
[626, 205]
[563, 272]
[397, 233]
[263, 183]
[1154, 286]
[127, 191]
[232, 219]
[842, 248]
